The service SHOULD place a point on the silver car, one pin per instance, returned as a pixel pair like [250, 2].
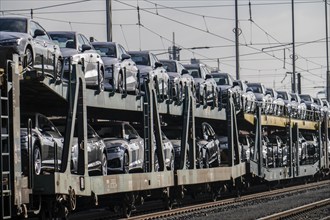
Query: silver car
[77, 47]
[124, 147]
[118, 65]
[31, 42]
[150, 67]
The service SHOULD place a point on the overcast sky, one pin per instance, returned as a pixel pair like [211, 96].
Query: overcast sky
[203, 23]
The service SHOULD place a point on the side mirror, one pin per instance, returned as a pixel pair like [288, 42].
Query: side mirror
[125, 56]
[132, 136]
[158, 64]
[184, 71]
[39, 32]
[85, 47]
[208, 76]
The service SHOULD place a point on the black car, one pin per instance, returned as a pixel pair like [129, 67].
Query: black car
[31, 42]
[45, 141]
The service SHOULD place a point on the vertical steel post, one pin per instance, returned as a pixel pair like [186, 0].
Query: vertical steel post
[237, 41]
[293, 52]
[109, 19]
[327, 50]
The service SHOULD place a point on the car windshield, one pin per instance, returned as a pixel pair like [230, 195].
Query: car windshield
[140, 59]
[13, 25]
[194, 72]
[255, 88]
[221, 79]
[169, 66]
[283, 95]
[306, 98]
[242, 140]
[25, 118]
[111, 131]
[64, 40]
[105, 50]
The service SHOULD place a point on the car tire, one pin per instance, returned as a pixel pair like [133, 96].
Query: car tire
[37, 160]
[206, 160]
[58, 70]
[126, 163]
[101, 85]
[171, 167]
[120, 83]
[104, 165]
[28, 58]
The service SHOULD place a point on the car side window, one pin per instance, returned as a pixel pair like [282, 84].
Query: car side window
[34, 26]
[153, 60]
[122, 49]
[86, 41]
[80, 42]
[129, 130]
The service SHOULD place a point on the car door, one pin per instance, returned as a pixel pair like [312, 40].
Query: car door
[39, 46]
[49, 49]
[92, 145]
[91, 62]
[131, 69]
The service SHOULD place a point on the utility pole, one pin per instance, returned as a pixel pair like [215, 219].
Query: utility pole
[109, 20]
[327, 51]
[293, 52]
[174, 48]
[237, 40]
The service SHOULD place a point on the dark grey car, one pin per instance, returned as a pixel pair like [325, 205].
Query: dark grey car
[45, 141]
[124, 146]
[118, 65]
[31, 42]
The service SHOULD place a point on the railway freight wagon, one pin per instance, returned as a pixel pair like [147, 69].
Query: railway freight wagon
[57, 154]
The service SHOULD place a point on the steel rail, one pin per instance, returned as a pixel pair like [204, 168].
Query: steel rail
[298, 210]
[256, 196]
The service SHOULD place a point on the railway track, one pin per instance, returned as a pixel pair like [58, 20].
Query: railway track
[177, 212]
[297, 212]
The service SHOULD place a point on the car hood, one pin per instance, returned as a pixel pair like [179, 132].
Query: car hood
[144, 69]
[199, 80]
[172, 75]
[111, 142]
[68, 52]
[108, 61]
[12, 35]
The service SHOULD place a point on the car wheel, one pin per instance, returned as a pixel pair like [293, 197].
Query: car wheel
[120, 83]
[37, 160]
[101, 85]
[59, 67]
[156, 165]
[28, 59]
[206, 161]
[104, 165]
[171, 165]
[126, 163]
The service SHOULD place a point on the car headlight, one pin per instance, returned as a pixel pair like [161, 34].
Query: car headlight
[11, 42]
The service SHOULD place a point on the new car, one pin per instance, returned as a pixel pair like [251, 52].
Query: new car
[248, 99]
[120, 70]
[150, 67]
[97, 157]
[31, 42]
[76, 48]
[311, 106]
[124, 146]
[206, 87]
[225, 84]
[298, 107]
[179, 77]
[262, 97]
[45, 141]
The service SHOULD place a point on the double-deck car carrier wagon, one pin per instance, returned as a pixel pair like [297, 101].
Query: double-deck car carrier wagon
[58, 191]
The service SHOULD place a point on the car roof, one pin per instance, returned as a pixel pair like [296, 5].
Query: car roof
[139, 52]
[103, 43]
[62, 32]
[219, 74]
[17, 18]
[192, 65]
